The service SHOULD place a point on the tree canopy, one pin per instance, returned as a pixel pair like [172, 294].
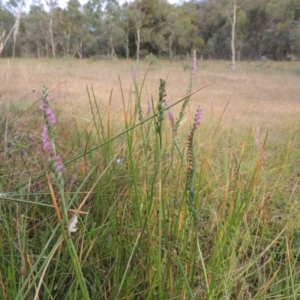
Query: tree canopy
[104, 28]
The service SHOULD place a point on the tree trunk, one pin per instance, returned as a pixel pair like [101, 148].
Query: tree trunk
[79, 51]
[171, 46]
[47, 49]
[137, 42]
[233, 22]
[68, 36]
[126, 45]
[112, 52]
[52, 39]
[16, 28]
[2, 41]
[38, 48]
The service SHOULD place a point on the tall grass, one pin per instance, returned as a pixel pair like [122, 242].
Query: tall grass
[166, 209]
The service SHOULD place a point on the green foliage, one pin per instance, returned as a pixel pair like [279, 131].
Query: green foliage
[6, 26]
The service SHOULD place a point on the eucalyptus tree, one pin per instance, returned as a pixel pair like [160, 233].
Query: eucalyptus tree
[232, 18]
[209, 19]
[52, 7]
[35, 25]
[156, 13]
[133, 18]
[7, 21]
[114, 34]
[187, 35]
[179, 34]
[128, 26]
[93, 23]
[237, 21]
[295, 42]
[71, 24]
[15, 7]
[283, 17]
[160, 28]
[257, 27]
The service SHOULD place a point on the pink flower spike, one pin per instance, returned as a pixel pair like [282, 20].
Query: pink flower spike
[43, 106]
[49, 113]
[44, 133]
[170, 117]
[48, 147]
[45, 138]
[198, 117]
[58, 163]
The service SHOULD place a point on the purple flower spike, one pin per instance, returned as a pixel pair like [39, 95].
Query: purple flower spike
[45, 139]
[49, 113]
[45, 134]
[43, 106]
[48, 147]
[170, 117]
[198, 117]
[58, 163]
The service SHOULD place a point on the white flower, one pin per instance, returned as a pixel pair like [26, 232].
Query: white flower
[119, 161]
[72, 226]
[3, 195]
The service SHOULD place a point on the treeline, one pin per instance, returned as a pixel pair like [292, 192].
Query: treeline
[103, 28]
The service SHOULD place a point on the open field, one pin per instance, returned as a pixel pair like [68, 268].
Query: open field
[202, 211]
[257, 91]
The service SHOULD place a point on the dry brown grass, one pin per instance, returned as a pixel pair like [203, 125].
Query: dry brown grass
[258, 93]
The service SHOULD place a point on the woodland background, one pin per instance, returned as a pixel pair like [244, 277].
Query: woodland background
[265, 29]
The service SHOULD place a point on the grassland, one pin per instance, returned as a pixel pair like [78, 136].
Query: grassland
[213, 214]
